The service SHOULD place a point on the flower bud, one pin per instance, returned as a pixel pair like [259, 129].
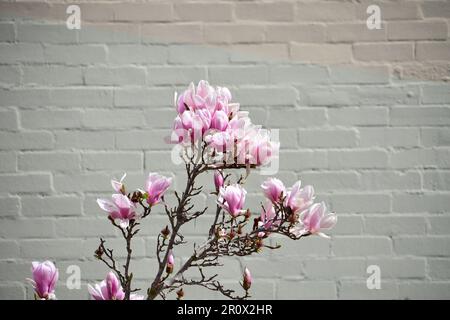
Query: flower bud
[165, 232]
[247, 282]
[218, 179]
[170, 263]
[180, 294]
[248, 214]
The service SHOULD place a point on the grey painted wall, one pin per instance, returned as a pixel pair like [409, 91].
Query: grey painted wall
[363, 114]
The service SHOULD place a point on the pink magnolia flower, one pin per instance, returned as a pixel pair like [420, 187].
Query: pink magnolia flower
[219, 120]
[45, 276]
[156, 185]
[108, 289]
[299, 199]
[274, 189]
[247, 283]
[314, 221]
[218, 180]
[118, 185]
[231, 199]
[267, 218]
[170, 263]
[120, 208]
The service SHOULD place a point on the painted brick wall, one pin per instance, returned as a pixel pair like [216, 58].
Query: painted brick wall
[364, 115]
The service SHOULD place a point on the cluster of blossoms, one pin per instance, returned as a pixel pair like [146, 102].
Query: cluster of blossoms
[206, 121]
[207, 114]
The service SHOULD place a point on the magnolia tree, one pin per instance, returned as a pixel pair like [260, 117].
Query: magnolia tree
[210, 133]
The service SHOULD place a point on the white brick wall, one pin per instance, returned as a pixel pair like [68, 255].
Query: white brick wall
[364, 116]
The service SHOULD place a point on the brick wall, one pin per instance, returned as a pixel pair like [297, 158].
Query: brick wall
[363, 114]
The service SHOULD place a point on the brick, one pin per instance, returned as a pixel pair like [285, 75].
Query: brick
[8, 119]
[420, 203]
[349, 225]
[306, 290]
[325, 12]
[159, 161]
[436, 94]
[436, 71]
[334, 268]
[159, 118]
[110, 33]
[357, 290]
[413, 116]
[197, 54]
[354, 32]
[423, 246]
[295, 32]
[439, 224]
[392, 51]
[142, 140]
[141, 54]
[112, 119]
[26, 140]
[54, 76]
[143, 12]
[328, 181]
[175, 75]
[21, 52]
[266, 96]
[172, 33]
[48, 33]
[238, 75]
[51, 119]
[27, 228]
[436, 9]
[288, 139]
[424, 291]
[75, 54]
[9, 249]
[233, 33]
[321, 53]
[51, 249]
[306, 247]
[420, 158]
[9, 75]
[439, 268]
[112, 160]
[360, 203]
[10, 206]
[268, 53]
[203, 11]
[160, 97]
[430, 137]
[28, 183]
[7, 32]
[83, 139]
[368, 116]
[306, 159]
[436, 180]
[85, 182]
[348, 74]
[428, 51]
[395, 225]
[280, 11]
[84, 227]
[82, 97]
[417, 30]
[358, 158]
[298, 74]
[115, 76]
[356, 246]
[390, 180]
[327, 138]
[390, 10]
[400, 268]
[49, 161]
[11, 291]
[49, 206]
[386, 137]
